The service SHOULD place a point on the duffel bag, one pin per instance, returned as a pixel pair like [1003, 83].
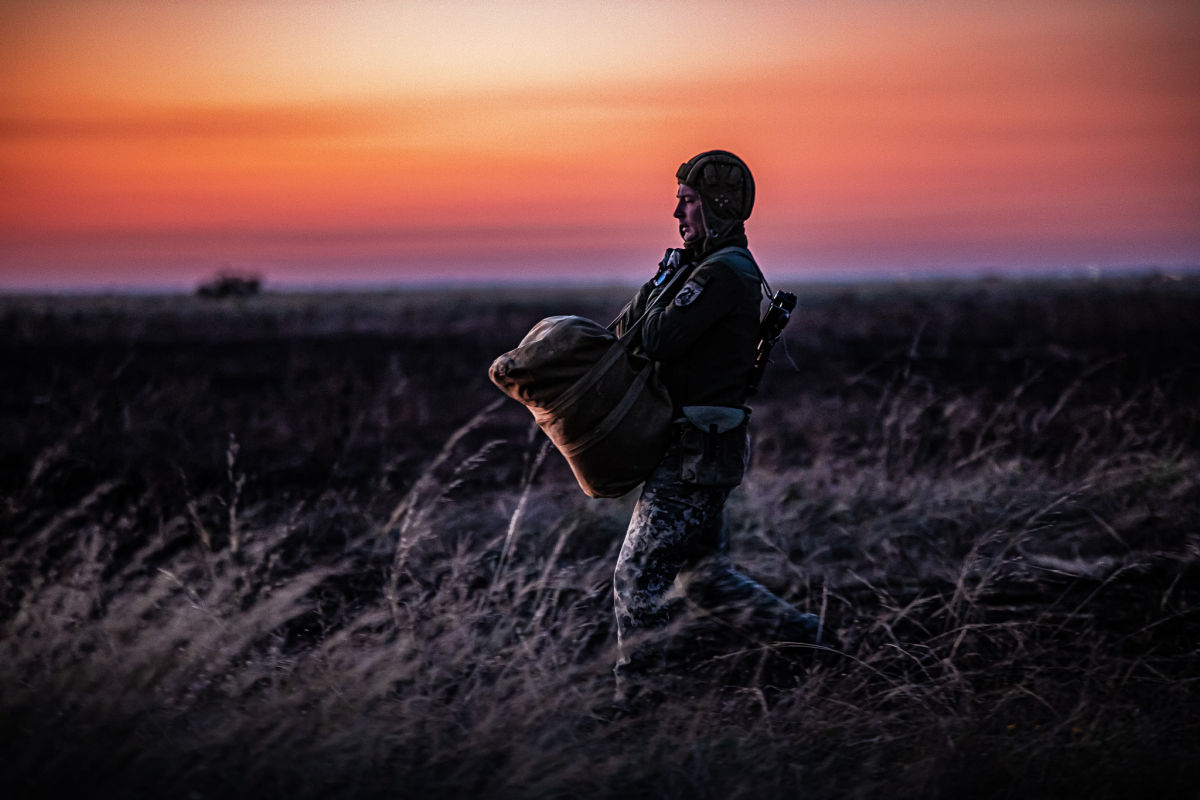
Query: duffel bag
[601, 404]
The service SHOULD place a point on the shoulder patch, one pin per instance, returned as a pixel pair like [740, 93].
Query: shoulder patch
[688, 294]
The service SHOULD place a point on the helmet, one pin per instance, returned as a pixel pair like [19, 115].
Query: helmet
[725, 186]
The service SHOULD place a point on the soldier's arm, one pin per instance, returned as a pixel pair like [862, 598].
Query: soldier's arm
[633, 312]
[667, 268]
[671, 328]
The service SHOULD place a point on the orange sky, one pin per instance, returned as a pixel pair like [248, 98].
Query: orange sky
[318, 142]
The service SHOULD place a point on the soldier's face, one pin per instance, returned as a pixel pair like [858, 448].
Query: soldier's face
[690, 213]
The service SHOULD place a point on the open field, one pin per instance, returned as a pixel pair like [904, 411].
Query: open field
[295, 546]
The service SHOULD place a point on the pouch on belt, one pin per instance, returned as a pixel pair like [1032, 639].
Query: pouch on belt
[714, 445]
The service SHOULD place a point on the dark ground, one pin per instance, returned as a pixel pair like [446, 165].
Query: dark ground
[992, 488]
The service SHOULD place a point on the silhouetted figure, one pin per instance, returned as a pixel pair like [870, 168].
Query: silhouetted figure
[702, 326]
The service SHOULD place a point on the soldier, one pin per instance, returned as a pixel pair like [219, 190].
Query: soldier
[703, 334]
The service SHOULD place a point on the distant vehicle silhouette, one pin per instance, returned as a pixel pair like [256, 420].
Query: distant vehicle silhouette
[230, 284]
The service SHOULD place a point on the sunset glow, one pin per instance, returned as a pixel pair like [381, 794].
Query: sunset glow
[152, 143]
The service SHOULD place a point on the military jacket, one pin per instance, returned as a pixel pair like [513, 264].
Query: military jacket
[703, 331]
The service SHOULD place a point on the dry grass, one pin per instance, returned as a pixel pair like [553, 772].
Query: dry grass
[277, 564]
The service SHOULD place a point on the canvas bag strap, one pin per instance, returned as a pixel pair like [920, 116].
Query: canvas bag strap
[614, 352]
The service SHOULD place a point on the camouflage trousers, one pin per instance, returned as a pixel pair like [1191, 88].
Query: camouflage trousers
[677, 538]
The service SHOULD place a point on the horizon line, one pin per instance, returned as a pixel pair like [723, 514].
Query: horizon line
[822, 277]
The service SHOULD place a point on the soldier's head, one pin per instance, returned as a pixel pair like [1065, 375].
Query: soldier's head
[716, 195]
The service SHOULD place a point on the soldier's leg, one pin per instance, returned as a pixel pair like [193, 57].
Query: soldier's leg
[667, 521]
[712, 583]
